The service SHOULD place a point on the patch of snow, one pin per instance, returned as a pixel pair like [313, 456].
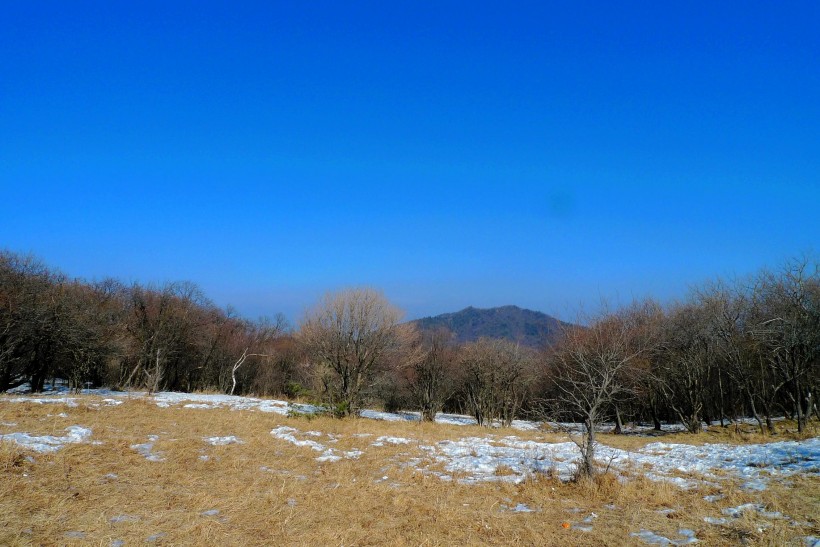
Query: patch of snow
[384, 439]
[441, 418]
[146, 449]
[386, 416]
[210, 513]
[481, 457]
[48, 443]
[655, 539]
[222, 441]
[123, 518]
[759, 508]
[68, 401]
[328, 456]
[714, 497]
[166, 399]
[811, 541]
[288, 434]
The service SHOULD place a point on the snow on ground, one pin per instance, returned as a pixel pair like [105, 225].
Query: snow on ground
[510, 459]
[147, 449]
[288, 434]
[234, 402]
[68, 401]
[487, 458]
[222, 441]
[49, 443]
[654, 539]
[384, 439]
[441, 418]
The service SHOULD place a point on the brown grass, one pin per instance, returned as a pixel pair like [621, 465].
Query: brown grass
[270, 492]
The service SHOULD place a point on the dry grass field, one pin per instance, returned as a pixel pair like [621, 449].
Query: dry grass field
[266, 490]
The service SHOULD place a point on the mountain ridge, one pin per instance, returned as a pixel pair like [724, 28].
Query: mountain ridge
[528, 327]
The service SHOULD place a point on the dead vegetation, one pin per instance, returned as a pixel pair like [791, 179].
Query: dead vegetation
[266, 491]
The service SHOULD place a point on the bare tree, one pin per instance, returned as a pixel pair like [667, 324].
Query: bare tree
[590, 371]
[351, 334]
[258, 338]
[687, 362]
[431, 378]
[788, 329]
[496, 379]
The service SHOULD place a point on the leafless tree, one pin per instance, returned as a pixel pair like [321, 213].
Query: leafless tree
[351, 334]
[687, 362]
[590, 369]
[496, 379]
[788, 329]
[258, 340]
[431, 376]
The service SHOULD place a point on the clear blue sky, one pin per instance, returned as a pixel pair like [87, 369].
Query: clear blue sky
[450, 153]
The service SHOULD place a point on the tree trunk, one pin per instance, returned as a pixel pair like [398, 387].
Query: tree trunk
[798, 403]
[619, 426]
[755, 413]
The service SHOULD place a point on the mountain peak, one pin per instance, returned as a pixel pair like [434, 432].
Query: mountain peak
[510, 322]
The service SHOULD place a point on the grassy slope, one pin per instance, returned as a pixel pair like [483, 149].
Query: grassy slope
[298, 501]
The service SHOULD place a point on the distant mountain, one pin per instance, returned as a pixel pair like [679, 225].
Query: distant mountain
[529, 328]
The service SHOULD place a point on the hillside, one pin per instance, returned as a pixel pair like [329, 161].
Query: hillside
[115, 468]
[528, 327]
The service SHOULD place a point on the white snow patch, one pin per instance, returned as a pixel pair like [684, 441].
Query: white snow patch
[222, 441]
[166, 399]
[123, 518]
[655, 539]
[384, 439]
[48, 443]
[68, 401]
[441, 418]
[479, 458]
[146, 449]
[759, 508]
[288, 434]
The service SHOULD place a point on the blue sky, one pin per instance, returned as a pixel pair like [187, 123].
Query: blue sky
[450, 153]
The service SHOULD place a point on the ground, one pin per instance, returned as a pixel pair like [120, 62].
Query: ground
[122, 469]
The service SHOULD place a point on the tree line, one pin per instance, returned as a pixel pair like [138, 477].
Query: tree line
[747, 347]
